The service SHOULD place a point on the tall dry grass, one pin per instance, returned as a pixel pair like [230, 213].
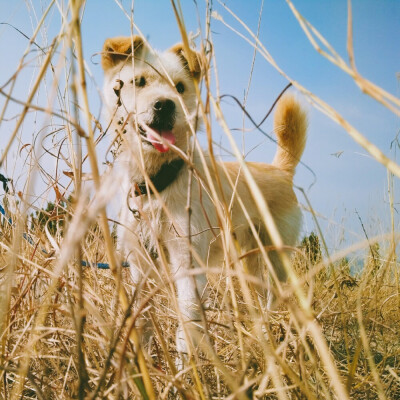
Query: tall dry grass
[74, 332]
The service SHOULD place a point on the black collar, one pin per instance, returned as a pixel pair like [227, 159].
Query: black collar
[162, 179]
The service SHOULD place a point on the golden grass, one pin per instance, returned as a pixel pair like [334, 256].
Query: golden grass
[74, 332]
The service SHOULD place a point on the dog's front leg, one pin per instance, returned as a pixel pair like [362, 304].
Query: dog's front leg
[189, 290]
[141, 264]
[130, 240]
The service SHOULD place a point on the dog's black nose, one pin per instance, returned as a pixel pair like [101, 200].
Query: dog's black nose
[164, 106]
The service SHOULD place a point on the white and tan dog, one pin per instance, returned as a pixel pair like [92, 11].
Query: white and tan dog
[152, 103]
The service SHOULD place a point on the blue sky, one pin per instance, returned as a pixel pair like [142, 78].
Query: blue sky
[351, 182]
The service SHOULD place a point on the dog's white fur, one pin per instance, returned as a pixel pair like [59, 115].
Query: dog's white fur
[130, 103]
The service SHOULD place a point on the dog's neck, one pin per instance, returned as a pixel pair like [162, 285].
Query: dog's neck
[162, 179]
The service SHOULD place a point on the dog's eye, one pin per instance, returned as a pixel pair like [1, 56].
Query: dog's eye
[180, 87]
[140, 81]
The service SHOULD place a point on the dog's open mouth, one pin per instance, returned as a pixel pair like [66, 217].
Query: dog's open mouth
[159, 138]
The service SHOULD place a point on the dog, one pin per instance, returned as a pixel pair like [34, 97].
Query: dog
[152, 104]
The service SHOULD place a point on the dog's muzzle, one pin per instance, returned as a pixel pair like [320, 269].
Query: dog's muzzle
[159, 131]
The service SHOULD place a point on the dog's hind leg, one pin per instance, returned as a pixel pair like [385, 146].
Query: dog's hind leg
[253, 262]
[256, 265]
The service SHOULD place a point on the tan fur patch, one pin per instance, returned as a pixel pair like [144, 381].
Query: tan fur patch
[119, 49]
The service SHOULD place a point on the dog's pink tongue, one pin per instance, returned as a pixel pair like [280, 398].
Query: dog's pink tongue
[168, 136]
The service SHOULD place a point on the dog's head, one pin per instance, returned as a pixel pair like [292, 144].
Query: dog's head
[152, 96]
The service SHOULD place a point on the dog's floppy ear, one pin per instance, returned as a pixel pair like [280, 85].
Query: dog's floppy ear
[118, 49]
[191, 61]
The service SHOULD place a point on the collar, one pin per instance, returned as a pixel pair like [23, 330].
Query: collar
[162, 179]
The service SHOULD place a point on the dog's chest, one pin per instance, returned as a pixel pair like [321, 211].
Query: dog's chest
[150, 219]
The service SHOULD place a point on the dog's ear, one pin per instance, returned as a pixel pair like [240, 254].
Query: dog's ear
[119, 49]
[191, 61]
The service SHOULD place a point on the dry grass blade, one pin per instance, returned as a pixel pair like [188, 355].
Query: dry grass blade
[387, 99]
[29, 99]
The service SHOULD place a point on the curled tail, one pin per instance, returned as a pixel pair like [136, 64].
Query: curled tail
[290, 126]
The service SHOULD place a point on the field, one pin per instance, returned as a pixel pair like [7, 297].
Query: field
[75, 331]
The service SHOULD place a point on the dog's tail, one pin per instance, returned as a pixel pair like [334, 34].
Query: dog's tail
[290, 125]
